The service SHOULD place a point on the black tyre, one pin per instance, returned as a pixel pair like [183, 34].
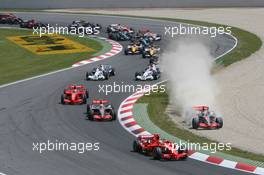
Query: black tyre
[108, 30]
[89, 113]
[88, 109]
[182, 149]
[151, 61]
[113, 72]
[136, 74]
[87, 76]
[62, 99]
[155, 76]
[195, 123]
[84, 99]
[106, 76]
[126, 52]
[86, 94]
[136, 146]
[143, 55]
[115, 37]
[220, 122]
[157, 153]
[113, 114]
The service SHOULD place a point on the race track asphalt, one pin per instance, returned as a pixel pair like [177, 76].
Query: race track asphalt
[30, 112]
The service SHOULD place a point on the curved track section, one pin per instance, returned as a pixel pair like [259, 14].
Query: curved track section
[30, 112]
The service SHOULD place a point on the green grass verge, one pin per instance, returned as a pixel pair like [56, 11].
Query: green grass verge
[18, 63]
[157, 104]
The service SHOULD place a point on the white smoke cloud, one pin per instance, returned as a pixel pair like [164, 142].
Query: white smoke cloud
[187, 64]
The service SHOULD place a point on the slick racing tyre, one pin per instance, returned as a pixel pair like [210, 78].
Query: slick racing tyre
[155, 76]
[182, 149]
[106, 75]
[143, 55]
[87, 76]
[62, 99]
[86, 94]
[136, 146]
[84, 99]
[113, 72]
[89, 113]
[136, 74]
[157, 153]
[113, 114]
[195, 123]
[219, 121]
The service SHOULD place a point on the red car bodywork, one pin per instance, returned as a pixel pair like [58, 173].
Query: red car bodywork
[143, 30]
[147, 32]
[29, 24]
[74, 95]
[9, 18]
[6, 16]
[125, 29]
[100, 110]
[146, 143]
[169, 151]
[159, 149]
[206, 121]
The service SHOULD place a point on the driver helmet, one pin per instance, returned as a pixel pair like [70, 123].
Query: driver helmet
[100, 67]
[206, 112]
[212, 114]
[199, 113]
[74, 89]
[101, 106]
[156, 136]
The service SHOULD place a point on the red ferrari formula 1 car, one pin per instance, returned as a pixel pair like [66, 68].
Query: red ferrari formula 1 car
[9, 18]
[204, 118]
[30, 24]
[74, 94]
[101, 110]
[159, 149]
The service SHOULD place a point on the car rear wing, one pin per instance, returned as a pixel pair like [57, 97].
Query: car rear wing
[149, 136]
[200, 108]
[100, 101]
[76, 86]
